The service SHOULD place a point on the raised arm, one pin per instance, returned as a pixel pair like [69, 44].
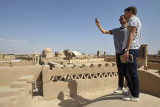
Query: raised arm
[100, 28]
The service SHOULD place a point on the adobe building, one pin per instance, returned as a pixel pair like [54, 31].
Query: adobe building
[143, 57]
[59, 54]
[8, 57]
[1, 56]
[35, 58]
[98, 53]
[47, 53]
[21, 86]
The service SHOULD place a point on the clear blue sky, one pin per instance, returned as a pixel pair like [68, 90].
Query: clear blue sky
[27, 26]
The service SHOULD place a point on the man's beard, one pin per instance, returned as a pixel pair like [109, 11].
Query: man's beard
[123, 23]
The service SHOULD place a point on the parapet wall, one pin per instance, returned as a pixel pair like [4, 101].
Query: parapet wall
[150, 81]
[11, 74]
[13, 64]
[78, 79]
[110, 59]
[154, 58]
[87, 60]
[153, 65]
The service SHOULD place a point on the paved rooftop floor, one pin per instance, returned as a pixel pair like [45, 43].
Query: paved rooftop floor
[101, 98]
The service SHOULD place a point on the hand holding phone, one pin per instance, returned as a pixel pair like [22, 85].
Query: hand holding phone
[96, 21]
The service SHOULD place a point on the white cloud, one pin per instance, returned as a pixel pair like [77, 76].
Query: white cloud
[13, 41]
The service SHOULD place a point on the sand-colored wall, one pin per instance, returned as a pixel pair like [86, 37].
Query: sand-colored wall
[110, 59]
[153, 58]
[21, 63]
[78, 79]
[11, 74]
[86, 60]
[150, 81]
[18, 94]
[153, 65]
[74, 87]
[142, 61]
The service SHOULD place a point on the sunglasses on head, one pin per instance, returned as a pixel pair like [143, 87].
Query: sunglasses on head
[121, 19]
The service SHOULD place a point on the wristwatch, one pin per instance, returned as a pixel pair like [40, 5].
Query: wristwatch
[125, 50]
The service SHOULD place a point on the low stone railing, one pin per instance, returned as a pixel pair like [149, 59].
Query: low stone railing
[78, 79]
[153, 65]
[149, 81]
[83, 61]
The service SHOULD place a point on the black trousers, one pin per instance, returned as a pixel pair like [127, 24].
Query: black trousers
[120, 70]
[131, 74]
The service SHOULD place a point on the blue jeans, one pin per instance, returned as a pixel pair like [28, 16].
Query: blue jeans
[132, 75]
[120, 71]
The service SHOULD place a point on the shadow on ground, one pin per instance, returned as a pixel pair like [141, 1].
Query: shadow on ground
[76, 100]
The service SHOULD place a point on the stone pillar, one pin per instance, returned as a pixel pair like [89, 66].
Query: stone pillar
[143, 51]
[35, 58]
[98, 53]
[142, 59]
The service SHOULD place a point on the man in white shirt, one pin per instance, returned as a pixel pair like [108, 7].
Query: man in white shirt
[131, 45]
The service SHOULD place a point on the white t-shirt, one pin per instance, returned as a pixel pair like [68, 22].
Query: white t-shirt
[134, 21]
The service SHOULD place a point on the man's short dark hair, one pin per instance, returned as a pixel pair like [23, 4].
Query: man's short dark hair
[134, 9]
[121, 15]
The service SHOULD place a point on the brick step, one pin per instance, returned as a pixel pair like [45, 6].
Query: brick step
[11, 101]
[28, 78]
[5, 102]
[5, 92]
[19, 84]
[14, 98]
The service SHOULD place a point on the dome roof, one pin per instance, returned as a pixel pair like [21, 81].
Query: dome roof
[47, 50]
